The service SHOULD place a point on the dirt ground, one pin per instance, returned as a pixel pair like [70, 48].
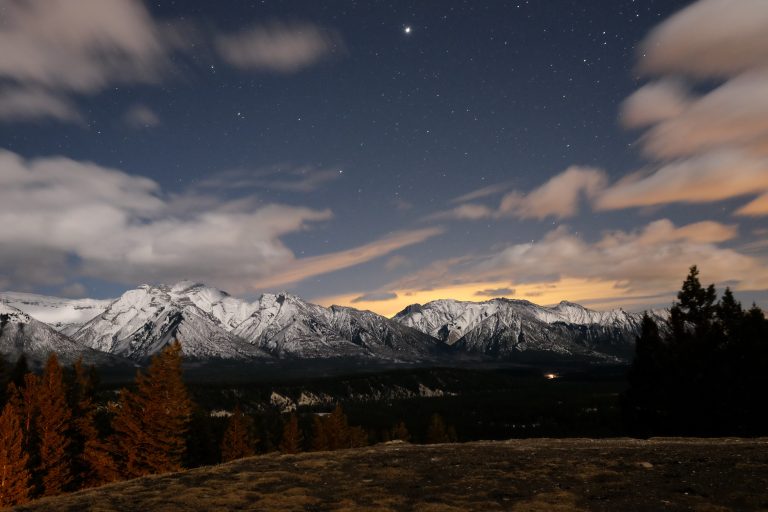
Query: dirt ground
[555, 475]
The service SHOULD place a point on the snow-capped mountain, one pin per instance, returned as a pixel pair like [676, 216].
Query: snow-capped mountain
[286, 325]
[144, 320]
[214, 325]
[64, 315]
[22, 334]
[503, 328]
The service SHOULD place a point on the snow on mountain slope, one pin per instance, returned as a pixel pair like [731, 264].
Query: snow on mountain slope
[64, 315]
[22, 334]
[286, 325]
[504, 327]
[228, 310]
[142, 321]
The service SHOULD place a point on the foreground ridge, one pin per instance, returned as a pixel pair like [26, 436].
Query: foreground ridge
[537, 474]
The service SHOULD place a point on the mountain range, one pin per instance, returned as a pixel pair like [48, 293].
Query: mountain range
[213, 325]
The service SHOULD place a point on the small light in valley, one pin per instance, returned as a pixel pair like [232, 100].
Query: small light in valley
[551, 376]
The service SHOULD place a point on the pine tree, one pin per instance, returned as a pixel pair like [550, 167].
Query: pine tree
[400, 432]
[730, 314]
[337, 429]
[15, 483]
[93, 462]
[52, 427]
[292, 439]
[437, 432]
[151, 423]
[238, 441]
[319, 434]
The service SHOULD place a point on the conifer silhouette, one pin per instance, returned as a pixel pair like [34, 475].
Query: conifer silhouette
[151, 422]
[293, 438]
[238, 441]
[15, 484]
[52, 427]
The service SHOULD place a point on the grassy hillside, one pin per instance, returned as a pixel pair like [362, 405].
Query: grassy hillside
[520, 475]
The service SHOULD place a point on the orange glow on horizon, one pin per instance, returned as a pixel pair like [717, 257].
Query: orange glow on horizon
[599, 294]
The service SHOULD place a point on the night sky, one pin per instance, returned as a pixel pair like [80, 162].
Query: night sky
[377, 154]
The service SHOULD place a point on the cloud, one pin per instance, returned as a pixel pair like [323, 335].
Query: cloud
[395, 262]
[141, 116]
[711, 176]
[704, 146]
[468, 211]
[495, 292]
[279, 177]
[731, 115]
[490, 190]
[80, 45]
[304, 268]
[655, 102]
[559, 197]
[73, 290]
[279, 47]
[619, 267]
[374, 297]
[651, 259]
[61, 219]
[709, 39]
[758, 207]
[18, 104]
[53, 52]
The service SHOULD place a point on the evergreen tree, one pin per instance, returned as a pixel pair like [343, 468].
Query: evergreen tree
[337, 429]
[319, 434]
[695, 307]
[238, 440]
[151, 423]
[400, 432]
[730, 314]
[14, 476]
[203, 447]
[52, 427]
[5, 377]
[646, 378]
[437, 432]
[293, 438]
[705, 375]
[93, 462]
[19, 370]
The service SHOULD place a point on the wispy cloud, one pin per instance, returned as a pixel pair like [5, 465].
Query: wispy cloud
[297, 271]
[288, 178]
[279, 47]
[480, 193]
[495, 292]
[141, 116]
[703, 146]
[374, 297]
[53, 52]
[17, 104]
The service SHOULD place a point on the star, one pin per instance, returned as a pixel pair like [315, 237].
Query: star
[407, 29]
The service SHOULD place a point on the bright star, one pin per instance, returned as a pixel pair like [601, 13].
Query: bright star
[407, 30]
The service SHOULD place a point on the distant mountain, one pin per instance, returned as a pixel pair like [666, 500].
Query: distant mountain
[64, 315]
[22, 334]
[143, 321]
[504, 328]
[212, 325]
[288, 326]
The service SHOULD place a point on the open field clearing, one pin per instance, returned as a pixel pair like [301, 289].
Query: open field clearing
[521, 475]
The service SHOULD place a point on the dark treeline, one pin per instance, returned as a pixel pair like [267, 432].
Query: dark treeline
[58, 435]
[705, 373]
